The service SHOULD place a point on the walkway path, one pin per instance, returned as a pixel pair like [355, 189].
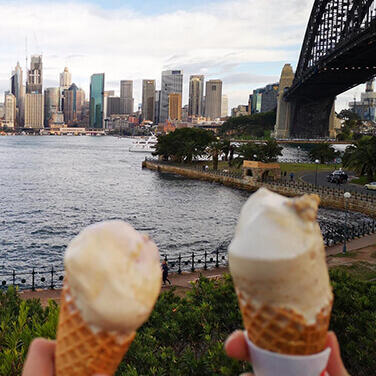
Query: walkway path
[180, 281]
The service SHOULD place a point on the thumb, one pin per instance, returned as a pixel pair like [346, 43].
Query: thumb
[335, 365]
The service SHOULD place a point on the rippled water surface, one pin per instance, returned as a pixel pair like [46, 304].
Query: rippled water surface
[52, 187]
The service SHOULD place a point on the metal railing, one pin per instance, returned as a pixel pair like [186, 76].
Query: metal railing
[52, 277]
[283, 182]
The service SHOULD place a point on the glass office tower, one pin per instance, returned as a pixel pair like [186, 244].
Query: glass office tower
[96, 101]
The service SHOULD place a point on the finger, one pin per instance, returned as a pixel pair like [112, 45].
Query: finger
[40, 359]
[236, 346]
[335, 365]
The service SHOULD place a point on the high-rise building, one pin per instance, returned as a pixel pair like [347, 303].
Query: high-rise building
[10, 110]
[97, 101]
[34, 84]
[157, 106]
[18, 90]
[126, 97]
[174, 106]
[65, 83]
[172, 82]
[196, 95]
[51, 103]
[148, 100]
[263, 99]
[16, 82]
[65, 79]
[213, 99]
[34, 111]
[224, 106]
[74, 100]
[113, 106]
[366, 107]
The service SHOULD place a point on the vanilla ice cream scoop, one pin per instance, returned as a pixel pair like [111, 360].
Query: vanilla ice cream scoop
[114, 276]
[277, 256]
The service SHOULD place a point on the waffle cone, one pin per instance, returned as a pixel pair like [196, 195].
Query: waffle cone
[282, 330]
[80, 351]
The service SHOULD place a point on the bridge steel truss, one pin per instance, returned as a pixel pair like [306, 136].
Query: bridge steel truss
[338, 53]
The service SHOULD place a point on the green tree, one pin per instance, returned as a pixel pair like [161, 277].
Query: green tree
[267, 152]
[323, 152]
[215, 150]
[350, 125]
[361, 157]
[184, 145]
[226, 148]
[270, 151]
[254, 126]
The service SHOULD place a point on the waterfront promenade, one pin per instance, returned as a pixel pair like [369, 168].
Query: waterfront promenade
[182, 282]
[330, 197]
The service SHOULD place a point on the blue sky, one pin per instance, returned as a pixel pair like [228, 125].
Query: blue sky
[243, 42]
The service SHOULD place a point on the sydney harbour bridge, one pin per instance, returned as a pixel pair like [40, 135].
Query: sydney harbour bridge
[338, 53]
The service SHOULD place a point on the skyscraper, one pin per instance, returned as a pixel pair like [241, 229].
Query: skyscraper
[65, 83]
[10, 110]
[172, 82]
[126, 97]
[174, 106]
[224, 107]
[113, 106]
[18, 90]
[213, 99]
[35, 76]
[34, 98]
[51, 103]
[74, 100]
[16, 82]
[157, 106]
[65, 79]
[196, 94]
[148, 99]
[97, 101]
[34, 111]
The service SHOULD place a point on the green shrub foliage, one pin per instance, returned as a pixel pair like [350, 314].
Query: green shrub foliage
[185, 336]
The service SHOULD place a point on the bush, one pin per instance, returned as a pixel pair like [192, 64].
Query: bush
[184, 336]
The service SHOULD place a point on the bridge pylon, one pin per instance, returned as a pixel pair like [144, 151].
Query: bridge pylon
[282, 127]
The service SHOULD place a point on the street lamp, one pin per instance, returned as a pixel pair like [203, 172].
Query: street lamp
[346, 196]
[298, 154]
[317, 166]
[255, 157]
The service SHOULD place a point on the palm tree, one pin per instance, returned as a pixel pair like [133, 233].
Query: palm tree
[215, 150]
[226, 148]
[323, 152]
[362, 157]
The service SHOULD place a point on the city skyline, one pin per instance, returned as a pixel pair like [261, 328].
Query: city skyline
[237, 47]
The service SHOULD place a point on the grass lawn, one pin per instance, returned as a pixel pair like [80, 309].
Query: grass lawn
[301, 167]
[360, 181]
[346, 255]
[285, 167]
[361, 270]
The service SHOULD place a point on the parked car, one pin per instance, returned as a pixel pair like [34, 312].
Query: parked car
[337, 177]
[371, 186]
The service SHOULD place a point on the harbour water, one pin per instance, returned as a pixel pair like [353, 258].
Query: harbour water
[52, 187]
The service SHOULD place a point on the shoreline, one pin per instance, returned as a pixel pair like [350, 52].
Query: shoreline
[330, 197]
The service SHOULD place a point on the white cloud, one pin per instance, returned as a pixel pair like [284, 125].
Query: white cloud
[211, 39]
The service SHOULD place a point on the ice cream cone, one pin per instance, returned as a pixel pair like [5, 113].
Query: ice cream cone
[277, 261]
[81, 351]
[282, 330]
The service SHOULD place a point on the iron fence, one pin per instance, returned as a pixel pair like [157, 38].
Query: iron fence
[283, 182]
[52, 277]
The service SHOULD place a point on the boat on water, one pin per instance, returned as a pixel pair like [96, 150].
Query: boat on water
[144, 145]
